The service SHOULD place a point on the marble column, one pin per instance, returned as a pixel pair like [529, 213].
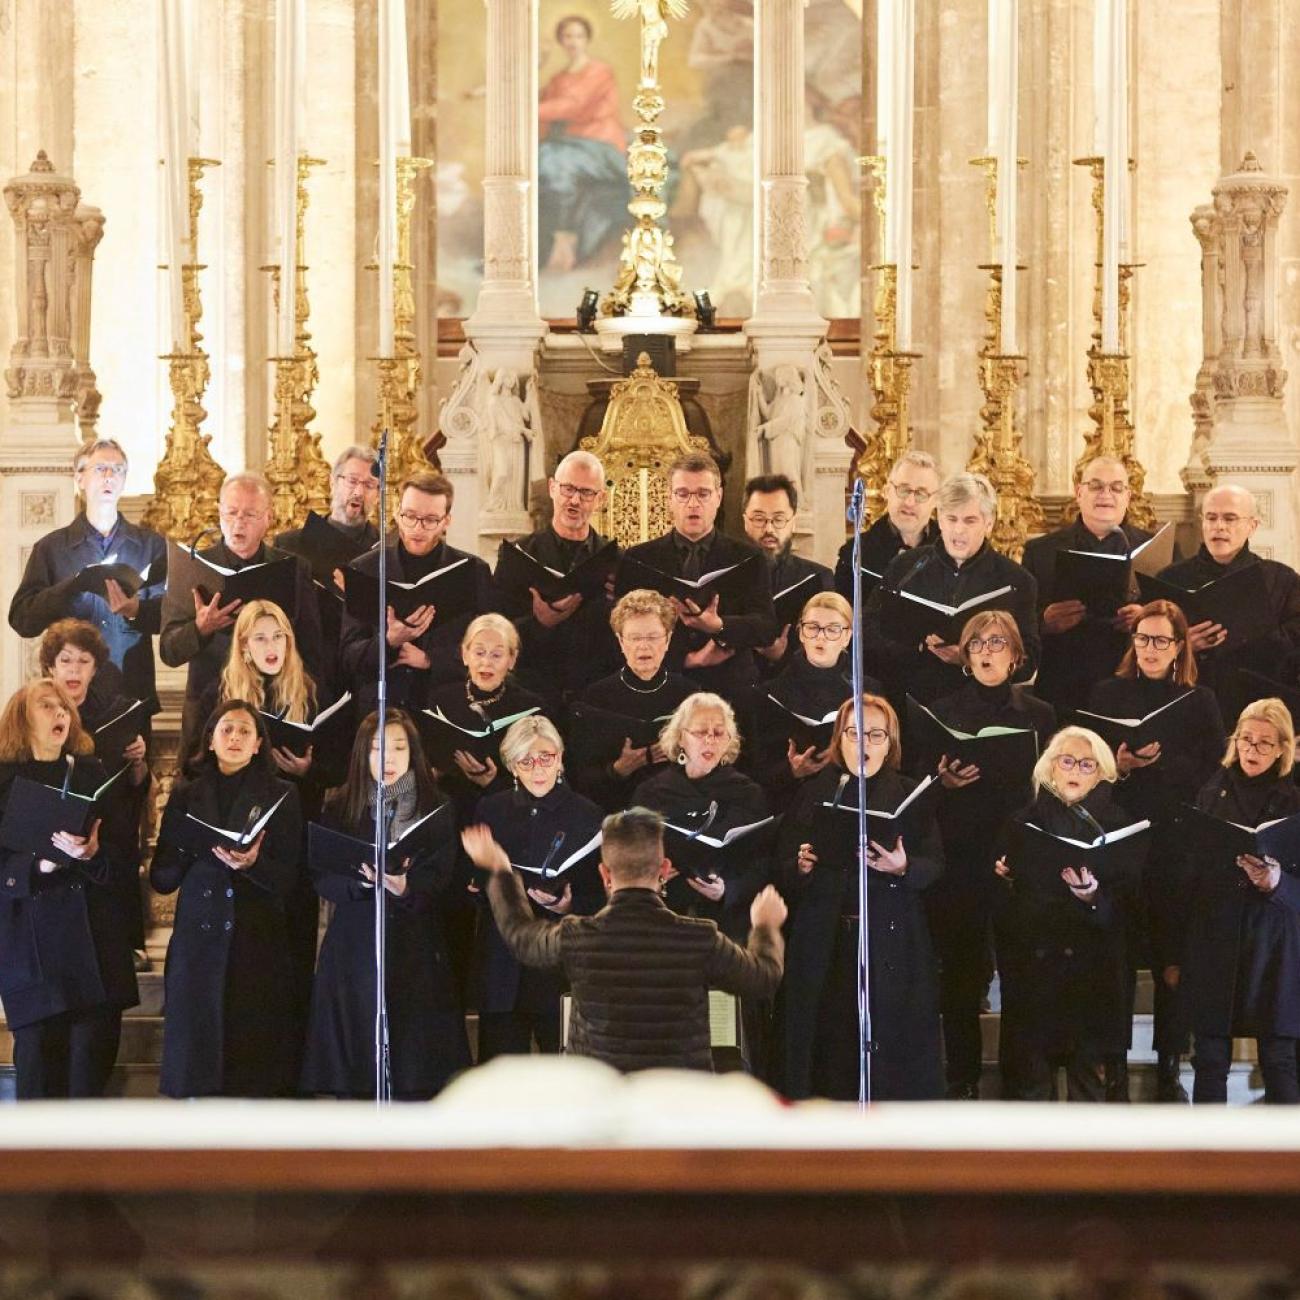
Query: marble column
[786, 331]
[506, 327]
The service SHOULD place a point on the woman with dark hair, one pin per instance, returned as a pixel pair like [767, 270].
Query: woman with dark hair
[1154, 782]
[971, 815]
[73, 653]
[65, 955]
[426, 1025]
[817, 1005]
[226, 1020]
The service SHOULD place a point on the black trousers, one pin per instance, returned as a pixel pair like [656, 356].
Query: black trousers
[68, 1055]
[511, 1033]
[1031, 1075]
[963, 940]
[1212, 1059]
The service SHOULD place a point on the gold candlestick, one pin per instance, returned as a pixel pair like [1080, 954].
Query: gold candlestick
[295, 465]
[188, 480]
[998, 450]
[1112, 434]
[401, 375]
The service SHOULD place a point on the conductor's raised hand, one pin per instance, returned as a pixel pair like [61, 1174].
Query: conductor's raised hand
[768, 911]
[483, 850]
[552, 614]
[402, 630]
[211, 617]
[712, 887]
[893, 862]
[236, 859]
[953, 775]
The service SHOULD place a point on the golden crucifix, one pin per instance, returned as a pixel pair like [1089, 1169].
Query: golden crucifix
[654, 29]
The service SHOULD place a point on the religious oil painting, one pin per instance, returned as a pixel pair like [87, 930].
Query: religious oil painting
[589, 62]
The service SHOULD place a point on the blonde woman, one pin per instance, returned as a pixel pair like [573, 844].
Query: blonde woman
[1063, 959]
[540, 822]
[702, 742]
[1242, 967]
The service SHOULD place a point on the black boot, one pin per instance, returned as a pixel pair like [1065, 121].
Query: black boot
[1117, 1079]
[1168, 1085]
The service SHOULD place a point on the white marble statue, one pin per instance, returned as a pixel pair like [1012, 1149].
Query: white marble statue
[508, 432]
[782, 426]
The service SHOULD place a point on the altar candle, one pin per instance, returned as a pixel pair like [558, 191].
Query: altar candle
[899, 181]
[1003, 147]
[179, 108]
[394, 143]
[290, 93]
[1112, 56]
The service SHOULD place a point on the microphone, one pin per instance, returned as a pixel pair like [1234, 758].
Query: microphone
[67, 776]
[545, 870]
[194, 545]
[253, 814]
[707, 822]
[916, 568]
[854, 512]
[839, 790]
[1091, 820]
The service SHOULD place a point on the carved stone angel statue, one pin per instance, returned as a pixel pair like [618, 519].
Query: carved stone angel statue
[654, 29]
[509, 430]
[781, 427]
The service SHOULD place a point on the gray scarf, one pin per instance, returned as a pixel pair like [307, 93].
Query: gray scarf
[400, 798]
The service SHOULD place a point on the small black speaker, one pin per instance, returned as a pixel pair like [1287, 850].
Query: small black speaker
[661, 347]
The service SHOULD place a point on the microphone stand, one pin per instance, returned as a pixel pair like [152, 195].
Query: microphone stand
[856, 514]
[383, 1077]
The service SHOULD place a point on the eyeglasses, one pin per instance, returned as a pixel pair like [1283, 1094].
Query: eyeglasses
[232, 516]
[646, 638]
[358, 484]
[412, 520]
[1068, 763]
[875, 735]
[684, 496]
[1260, 747]
[710, 733]
[1096, 487]
[762, 521]
[570, 490]
[919, 495]
[1144, 639]
[544, 760]
[106, 469]
[480, 655]
[994, 643]
[1213, 517]
[831, 631]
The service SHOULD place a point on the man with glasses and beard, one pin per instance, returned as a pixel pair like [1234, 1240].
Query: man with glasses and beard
[715, 644]
[770, 505]
[908, 522]
[197, 632]
[566, 644]
[424, 648]
[1083, 647]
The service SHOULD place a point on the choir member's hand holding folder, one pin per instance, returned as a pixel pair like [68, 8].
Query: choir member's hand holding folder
[518, 571]
[1005, 756]
[1037, 857]
[1104, 582]
[113, 736]
[1237, 601]
[730, 583]
[698, 850]
[909, 619]
[95, 577]
[326, 548]
[190, 833]
[334, 850]
[602, 731]
[1219, 842]
[274, 580]
[806, 733]
[35, 812]
[1162, 726]
[450, 590]
[298, 737]
[835, 835]
[789, 601]
[444, 737]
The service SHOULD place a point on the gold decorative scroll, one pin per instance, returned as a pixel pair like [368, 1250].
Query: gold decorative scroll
[889, 374]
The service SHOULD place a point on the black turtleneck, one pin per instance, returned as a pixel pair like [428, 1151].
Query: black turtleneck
[974, 705]
[229, 786]
[415, 567]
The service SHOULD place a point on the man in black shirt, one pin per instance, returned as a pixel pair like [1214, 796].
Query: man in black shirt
[714, 645]
[908, 522]
[566, 645]
[770, 505]
[1229, 518]
[1081, 648]
[197, 632]
[424, 649]
[128, 624]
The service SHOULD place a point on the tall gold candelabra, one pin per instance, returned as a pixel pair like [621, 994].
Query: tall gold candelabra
[401, 375]
[888, 371]
[1109, 373]
[188, 480]
[295, 465]
[998, 449]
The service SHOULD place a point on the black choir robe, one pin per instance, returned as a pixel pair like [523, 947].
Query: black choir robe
[228, 973]
[64, 943]
[748, 620]
[426, 1029]
[359, 643]
[816, 1009]
[880, 544]
[1074, 661]
[787, 569]
[558, 662]
[180, 641]
[590, 756]
[932, 573]
[43, 597]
